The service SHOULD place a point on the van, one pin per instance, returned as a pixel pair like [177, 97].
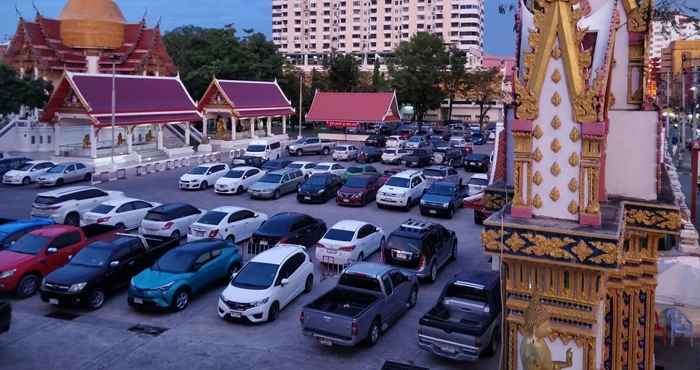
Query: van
[265, 149]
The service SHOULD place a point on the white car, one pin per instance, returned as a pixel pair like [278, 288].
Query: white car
[28, 173]
[170, 220]
[325, 167]
[345, 152]
[402, 190]
[68, 205]
[348, 241]
[124, 213]
[305, 167]
[234, 224]
[202, 176]
[395, 141]
[268, 283]
[237, 180]
[394, 155]
[477, 183]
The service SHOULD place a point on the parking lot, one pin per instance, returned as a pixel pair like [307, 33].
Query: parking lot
[44, 337]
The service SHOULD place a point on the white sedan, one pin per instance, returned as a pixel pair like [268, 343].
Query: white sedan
[124, 213]
[202, 176]
[477, 183]
[28, 173]
[268, 283]
[237, 180]
[229, 223]
[349, 241]
[325, 167]
[305, 167]
[345, 152]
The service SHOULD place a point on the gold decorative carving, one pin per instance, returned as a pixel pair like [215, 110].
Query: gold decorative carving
[537, 132]
[611, 100]
[554, 194]
[527, 101]
[537, 201]
[552, 247]
[493, 201]
[556, 99]
[491, 240]
[573, 185]
[537, 178]
[555, 145]
[586, 106]
[582, 250]
[556, 76]
[556, 122]
[609, 255]
[537, 155]
[667, 220]
[575, 134]
[573, 159]
[573, 207]
[515, 242]
[534, 350]
[555, 169]
[518, 184]
[637, 15]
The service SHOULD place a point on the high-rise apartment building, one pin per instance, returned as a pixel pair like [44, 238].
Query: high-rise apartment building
[664, 32]
[307, 30]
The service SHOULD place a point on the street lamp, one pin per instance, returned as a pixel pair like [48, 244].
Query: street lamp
[114, 58]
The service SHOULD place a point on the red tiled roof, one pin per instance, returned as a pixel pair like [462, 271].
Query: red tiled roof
[353, 107]
[498, 62]
[249, 99]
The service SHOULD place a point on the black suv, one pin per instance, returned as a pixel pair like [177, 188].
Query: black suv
[376, 140]
[477, 163]
[419, 158]
[420, 247]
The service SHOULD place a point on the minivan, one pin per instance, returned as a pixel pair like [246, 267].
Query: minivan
[266, 149]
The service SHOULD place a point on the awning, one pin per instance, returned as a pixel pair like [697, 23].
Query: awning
[148, 119]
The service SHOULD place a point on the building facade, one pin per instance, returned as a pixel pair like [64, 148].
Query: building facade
[663, 33]
[307, 30]
[678, 77]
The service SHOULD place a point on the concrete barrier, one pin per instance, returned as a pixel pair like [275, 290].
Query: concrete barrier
[150, 168]
[169, 165]
[159, 166]
[141, 170]
[121, 174]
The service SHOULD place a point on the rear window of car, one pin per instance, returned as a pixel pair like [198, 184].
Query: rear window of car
[404, 244]
[46, 200]
[212, 218]
[102, 209]
[360, 281]
[461, 291]
[340, 235]
[272, 178]
[429, 172]
[159, 216]
[277, 226]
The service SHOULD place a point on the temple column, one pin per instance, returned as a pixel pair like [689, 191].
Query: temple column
[269, 126]
[522, 169]
[233, 128]
[129, 140]
[159, 143]
[284, 125]
[204, 128]
[93, 142]
[57, 139]
[188, 132]
[252, 128]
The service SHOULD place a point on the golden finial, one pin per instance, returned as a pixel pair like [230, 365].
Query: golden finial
[556, 76]
[575, 134]
[537, 178]
[555, 169]
[537, 132]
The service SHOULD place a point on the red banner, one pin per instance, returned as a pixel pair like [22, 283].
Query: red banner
[341, 124]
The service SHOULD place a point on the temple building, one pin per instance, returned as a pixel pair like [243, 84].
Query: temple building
[582, 199]
[88, 36]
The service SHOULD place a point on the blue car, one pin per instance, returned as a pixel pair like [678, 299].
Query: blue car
[441, 198]
[478, 138]
[13, 230]
[182, 272]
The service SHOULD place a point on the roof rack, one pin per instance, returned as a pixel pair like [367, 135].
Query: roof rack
[415, 225]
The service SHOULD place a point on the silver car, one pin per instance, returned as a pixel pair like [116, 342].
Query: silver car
[64, 173]
[442, 173]
[276, 183]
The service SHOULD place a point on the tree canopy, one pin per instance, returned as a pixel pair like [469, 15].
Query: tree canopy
[343, 73]
[17, 92]
[482, 87]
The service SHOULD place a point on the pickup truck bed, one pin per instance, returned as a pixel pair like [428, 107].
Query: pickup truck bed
[455, 320]
[344, 302]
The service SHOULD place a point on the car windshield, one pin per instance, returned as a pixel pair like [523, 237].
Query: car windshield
[356, 182]
[25, 167]
[404, 244]
[29, 244]
[460, 291]
[212, 218]
[360, 281]
[431, 172]
[176, 261]
[355, 170]
[323, 167]
[300, 141]
[102, 209]
[57, 169]
[255, 275]
[317, 180]
[400, 182]
[339, 235]
[46, 200]
[256, 148]
[390, 151]
[92, 257]
[442, 189]
[271, 178]
[415, 139]
[198, 170]
[234, 174]
[475, 181]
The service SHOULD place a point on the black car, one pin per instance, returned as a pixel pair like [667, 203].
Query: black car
[418, 158]
[287, 227]
[9, 164]
[276, 164]
[453, 157]
[478, 138]
[319, 188]
[477, 163]
[248, 161]
[378, 141]
[101, 268]
[369, 154]
[420, 247]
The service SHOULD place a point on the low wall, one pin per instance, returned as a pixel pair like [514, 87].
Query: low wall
[343, 137]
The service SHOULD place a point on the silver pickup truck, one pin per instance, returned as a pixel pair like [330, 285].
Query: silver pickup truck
[368, 298]
[310, 145]
[465, 322]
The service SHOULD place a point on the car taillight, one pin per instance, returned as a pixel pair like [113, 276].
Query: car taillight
[355, 328]
[348, 248]
[168, 225]
[102, 220]
[421, 263]
[213, 233]
[301, 317]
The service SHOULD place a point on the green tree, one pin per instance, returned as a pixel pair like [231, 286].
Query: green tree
[483, 87]
[343, 73]
[379, 82]
[17, 92]
[417, 70]
[454, 77]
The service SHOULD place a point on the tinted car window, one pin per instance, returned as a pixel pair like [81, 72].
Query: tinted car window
[397, 278]
[141, 204]
[360, 281]
[386, 281]
[175, 261]
[29, 244]
[80, 166]
[102, 209]
[340, 235]
[276, 225]
[212, 218]
[126, 207]
[255, 275]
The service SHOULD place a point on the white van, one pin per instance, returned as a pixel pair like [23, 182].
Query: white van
[265, 149]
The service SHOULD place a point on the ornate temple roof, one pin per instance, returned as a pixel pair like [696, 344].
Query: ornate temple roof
[354, 107]
[248, 99]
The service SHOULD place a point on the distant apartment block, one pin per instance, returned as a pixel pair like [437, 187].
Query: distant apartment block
[307, 30]
[664, 32]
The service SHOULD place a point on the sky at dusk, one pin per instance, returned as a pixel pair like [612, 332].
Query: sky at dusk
[254, 14]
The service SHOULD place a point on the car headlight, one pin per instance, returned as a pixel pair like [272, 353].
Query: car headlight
[7, 274]
[445, 205]
[422, 202]
[260, 302]
[75, 288]
[164, 288]
[320, 191]
[133, 281]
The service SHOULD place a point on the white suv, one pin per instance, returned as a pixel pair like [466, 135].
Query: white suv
[402, 190]
[202, 176]
[68, 205]
[345, 152]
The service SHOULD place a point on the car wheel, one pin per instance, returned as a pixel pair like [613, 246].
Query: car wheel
[326, 151]
[433, 272]
[175, 235]
[88, 176]
[72, 219]
[240, 189]
[181, 300]
[203, 185]
[450, 212]
[26, 181]
[374, 333]
[28, 285]
[299, 152]
[409, 203]
[96, 299]
[273, 312]
[309, 286]
[120, 226]
[60, 182]
[276, 195]
[231, 239]
[413, 298]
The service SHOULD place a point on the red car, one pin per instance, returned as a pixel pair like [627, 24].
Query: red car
[24, 263]
[359, 190]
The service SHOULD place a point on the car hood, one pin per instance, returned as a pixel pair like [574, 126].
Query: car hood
[311, 187]
[190, 177]
[228, 181]
[10, 260]
[394, 189]
[264, 186]
[241, 295]
[152, 279]
[73, 274]
[17, 173]
[435, 198]
[349, 190]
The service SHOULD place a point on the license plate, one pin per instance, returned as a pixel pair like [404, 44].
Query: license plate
[332, 251]
[402, 255]
[307, 198]
[448, 349]
[53, 301]
[235, 314]
[138, 300]
[346, 200]
[325, 342]
[432, 211]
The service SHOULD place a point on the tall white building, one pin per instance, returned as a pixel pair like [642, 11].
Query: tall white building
[663, 33]
[307, 30]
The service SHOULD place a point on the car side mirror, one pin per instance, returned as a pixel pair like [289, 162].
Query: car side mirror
[284, 282]
[52, 250]
[114, 264]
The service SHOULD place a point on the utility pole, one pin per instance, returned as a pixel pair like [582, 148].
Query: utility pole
[301, 100]
[114, 105]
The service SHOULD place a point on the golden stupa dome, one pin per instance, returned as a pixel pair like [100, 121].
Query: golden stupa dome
[92, 24]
